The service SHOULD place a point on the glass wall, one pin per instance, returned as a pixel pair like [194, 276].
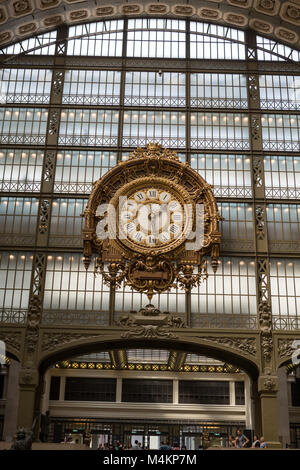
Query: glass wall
[23, 126]
[126, 83]
[70, 287]
[15, 277]
[232, 290]
[21, 169]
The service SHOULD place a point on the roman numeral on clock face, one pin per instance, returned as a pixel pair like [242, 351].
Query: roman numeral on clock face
[129, 227]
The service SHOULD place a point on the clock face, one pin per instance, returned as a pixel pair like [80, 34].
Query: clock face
[151, 217]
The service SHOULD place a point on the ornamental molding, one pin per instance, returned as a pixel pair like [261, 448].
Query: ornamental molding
[23, 17]
[12, 339]
[268, 383]
[52, 341]
[242, 345]
[150, 323]
[287, 347]
[33, 323]
[265, 325]
[28, 377]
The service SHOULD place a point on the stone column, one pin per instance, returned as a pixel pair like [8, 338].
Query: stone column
[283, 409]
[267, 390]
[12, 397]
[28, 382]
[45, 397]
[256, 408]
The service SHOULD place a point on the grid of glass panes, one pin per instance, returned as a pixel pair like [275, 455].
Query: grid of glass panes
[21, 170]
[68, 286]
[102, 356]
[282, 176]
[209, 41]
[18, 218]
[222, 131]
[231, 290]
[91, 87]
[82, 127]
[76, 170]
[283, 222]
[237, 228]
[216, 90]
[38, 45]
[23, 125]
[279, 92]
[147, 391]
[66, 222]
[154, 89]
[204, 391]
[25, 85]
[54, 388]
[285, 289]
[90, 389]
[272, 48]
[103, 38]
[147, 355]
[161, 38]
[197, 359]
[15, 277]
[167, 128]
[281, 132]
[239, 393]
[230, 175]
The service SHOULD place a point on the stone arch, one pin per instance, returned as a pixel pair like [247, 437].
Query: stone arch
[212, 346]
[240, 351]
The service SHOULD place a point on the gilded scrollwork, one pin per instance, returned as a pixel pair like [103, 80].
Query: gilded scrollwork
[149, 323]
[151, 266]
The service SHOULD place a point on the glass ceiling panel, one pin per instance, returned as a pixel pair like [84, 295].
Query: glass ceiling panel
[147, 355]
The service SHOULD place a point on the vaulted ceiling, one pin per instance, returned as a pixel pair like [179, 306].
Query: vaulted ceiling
[276, 19]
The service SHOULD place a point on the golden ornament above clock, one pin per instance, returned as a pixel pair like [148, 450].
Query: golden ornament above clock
[141, 219]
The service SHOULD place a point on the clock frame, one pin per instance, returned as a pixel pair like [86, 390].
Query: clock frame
[151, 267]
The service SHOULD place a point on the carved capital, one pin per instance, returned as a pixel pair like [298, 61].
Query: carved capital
[268, 384]
[29, 377]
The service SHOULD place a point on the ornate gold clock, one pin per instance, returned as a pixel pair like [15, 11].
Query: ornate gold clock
[142, 221]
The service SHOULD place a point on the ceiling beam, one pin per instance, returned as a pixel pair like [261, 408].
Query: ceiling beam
[118, 358]
[176, 360]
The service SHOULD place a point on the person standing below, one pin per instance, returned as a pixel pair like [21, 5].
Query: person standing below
[231, 442]
[165, 446]
[118, 446]
[263, 444]
[136, 445]
[256, 441]
[241, 439]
